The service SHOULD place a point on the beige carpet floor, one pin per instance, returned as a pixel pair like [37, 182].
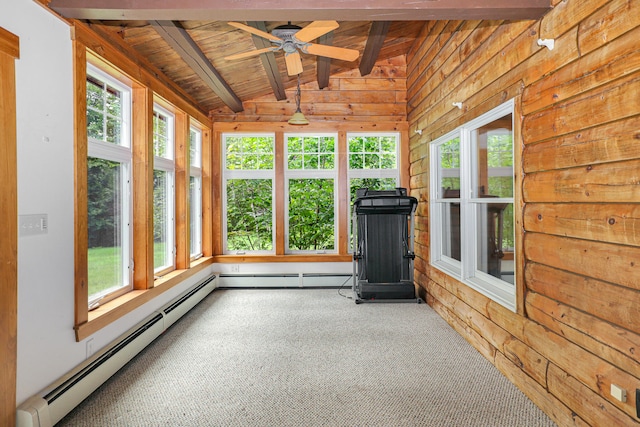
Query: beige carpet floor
[307, 357]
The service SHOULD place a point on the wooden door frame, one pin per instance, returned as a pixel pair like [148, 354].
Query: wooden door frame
[9, 52]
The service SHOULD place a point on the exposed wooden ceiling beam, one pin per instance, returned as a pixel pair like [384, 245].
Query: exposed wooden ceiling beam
[377, 34]
[269, 61]
[323, 64]
[300, 10]
[178, 38]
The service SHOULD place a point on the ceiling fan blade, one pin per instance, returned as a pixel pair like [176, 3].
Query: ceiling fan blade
[294, 63]
[253, 30]
[248, 54]
[333, 52]
[315, 30]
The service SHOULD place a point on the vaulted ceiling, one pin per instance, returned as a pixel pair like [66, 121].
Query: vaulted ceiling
[188, 40]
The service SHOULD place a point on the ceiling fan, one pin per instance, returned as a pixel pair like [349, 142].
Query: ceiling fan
[292, 40]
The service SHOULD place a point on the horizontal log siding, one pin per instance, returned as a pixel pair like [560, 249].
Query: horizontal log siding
[378, 97]
[578, 327]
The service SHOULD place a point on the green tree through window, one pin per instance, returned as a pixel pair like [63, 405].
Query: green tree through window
[249, 176]
[249, 215]
[108, 176]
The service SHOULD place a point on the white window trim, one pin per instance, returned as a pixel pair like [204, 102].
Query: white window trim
[311, 174]
[396, 135]
[125, 128]
[195, 172]
[196, 165]
[167, 164]
[369, 173]
[170, 155]
[197, 206]
[228, 174]
[120, 153]
[498, 290]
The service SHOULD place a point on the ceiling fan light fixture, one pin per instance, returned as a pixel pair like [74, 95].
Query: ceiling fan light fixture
[298, 118]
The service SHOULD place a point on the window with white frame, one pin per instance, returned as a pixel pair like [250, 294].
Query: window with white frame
[310, 180]
[163, 190]
[195, 192]
[373, 162]
[109, 160]
[248, 193]
[472, 204]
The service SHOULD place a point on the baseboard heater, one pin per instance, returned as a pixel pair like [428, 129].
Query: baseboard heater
[50, 406]
[282, 280]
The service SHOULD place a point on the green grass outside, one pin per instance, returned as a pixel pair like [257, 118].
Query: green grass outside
[104, 266]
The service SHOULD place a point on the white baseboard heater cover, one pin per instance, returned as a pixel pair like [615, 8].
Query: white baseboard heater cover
[47, 408]
[283, 280]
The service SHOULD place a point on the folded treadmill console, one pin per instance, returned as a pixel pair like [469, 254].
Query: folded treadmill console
[384, 201]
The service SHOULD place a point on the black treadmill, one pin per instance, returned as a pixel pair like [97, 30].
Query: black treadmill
[383, 230]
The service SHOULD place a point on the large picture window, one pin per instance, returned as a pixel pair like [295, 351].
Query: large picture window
[290, 193]
[472, 216]
[195, 192]
[108, 186]
[311, 177]
[248, 193]
[373, 161]
[163, 191]
[373, 164]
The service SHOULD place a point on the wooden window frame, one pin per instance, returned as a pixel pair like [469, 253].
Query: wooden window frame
[9, 52]
[280, 129]
[147, 88]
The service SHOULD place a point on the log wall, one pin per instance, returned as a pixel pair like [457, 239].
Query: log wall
[577, 330]
[377, 97]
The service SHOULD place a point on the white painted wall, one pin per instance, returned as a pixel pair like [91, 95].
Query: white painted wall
[47, 348]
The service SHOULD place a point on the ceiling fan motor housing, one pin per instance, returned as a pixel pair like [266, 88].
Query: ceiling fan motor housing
[292, 38]
[286, 32]
[289, 43]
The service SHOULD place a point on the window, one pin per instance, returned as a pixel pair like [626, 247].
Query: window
[136, 186]
[163, 191]
[311, 177]
[195, 192]
[287, 192]
[248, 204]
[108, 186]
[448, 197]
[373, 163]
[472, 211]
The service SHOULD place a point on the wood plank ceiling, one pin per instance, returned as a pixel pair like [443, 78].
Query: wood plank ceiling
[188, 41]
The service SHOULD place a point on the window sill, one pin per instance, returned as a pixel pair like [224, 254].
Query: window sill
[109, 312]
[231, 258]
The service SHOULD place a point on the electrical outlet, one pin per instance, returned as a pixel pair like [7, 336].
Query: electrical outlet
[618, 393]
[90, 349]
[235, 268]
